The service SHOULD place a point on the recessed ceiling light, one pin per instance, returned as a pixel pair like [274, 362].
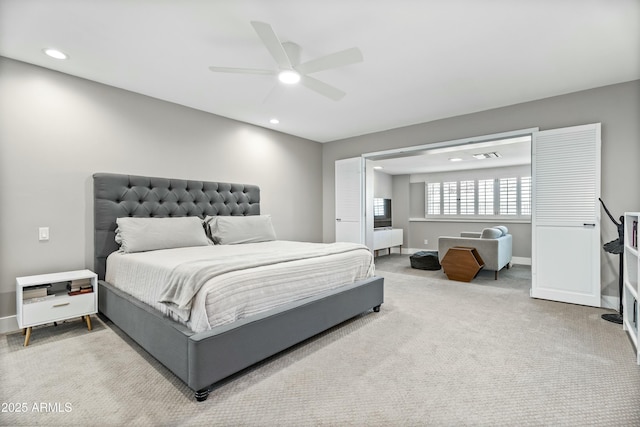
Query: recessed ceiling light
[55, 53]
[377, 167]
[455, 159]
[274, 121]
[289, 77]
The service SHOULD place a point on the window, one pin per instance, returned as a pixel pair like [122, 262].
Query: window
[525, 195]
[449, 198]
[467, 198]
[508, 197]
[433, 198]
[485, 197]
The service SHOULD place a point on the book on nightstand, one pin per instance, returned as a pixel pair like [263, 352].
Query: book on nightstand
[81, 291]
[79, 286]
[37, 291]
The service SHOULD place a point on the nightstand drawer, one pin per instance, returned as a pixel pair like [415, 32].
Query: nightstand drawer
[58, 308]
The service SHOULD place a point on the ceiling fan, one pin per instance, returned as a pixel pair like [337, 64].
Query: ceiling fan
[287, 57]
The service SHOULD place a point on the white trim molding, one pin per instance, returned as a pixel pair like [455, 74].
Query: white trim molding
[520, 260]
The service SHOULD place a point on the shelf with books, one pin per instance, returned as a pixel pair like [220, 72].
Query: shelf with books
[50, 298]
[631, 267]
[79, 286]
[35, 292]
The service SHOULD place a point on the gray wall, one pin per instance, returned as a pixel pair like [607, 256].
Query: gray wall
[56, 130]
[617, 107]
[382, 185]
[400, 205]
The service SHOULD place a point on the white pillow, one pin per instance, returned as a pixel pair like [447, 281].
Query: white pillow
[231, 230]
[148, 234]
[491, 233]
[504, 230]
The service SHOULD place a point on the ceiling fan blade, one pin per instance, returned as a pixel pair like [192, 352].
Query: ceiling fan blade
[241, 70]
[322, 88]
[333, 60]
[293, 52]
[272, 43]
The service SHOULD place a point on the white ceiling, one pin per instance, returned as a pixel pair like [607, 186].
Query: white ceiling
[423, 60]
[512, 152]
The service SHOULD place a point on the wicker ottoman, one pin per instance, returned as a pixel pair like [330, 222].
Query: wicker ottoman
[425, 260]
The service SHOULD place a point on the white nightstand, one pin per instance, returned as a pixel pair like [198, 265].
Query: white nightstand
[57, 305]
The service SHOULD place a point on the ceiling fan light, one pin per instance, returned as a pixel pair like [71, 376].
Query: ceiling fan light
[289, 77]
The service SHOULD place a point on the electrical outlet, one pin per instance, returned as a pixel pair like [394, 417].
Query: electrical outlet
[426, 242]
[43, 233]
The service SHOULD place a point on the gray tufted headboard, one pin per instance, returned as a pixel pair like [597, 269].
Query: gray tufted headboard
[116, 196]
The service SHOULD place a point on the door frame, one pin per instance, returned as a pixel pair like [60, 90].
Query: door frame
[408, 151]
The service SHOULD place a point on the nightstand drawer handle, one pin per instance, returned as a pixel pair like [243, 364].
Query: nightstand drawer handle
[61, 305]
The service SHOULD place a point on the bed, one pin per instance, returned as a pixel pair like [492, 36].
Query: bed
[199, 356]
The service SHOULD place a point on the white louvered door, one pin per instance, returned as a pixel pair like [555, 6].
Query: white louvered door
[566, 215]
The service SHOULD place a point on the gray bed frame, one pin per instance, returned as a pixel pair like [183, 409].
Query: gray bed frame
[205, 358]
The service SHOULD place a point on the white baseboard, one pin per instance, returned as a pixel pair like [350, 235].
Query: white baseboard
[8, 324]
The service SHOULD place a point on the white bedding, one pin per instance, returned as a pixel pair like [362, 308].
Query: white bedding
[234, 295]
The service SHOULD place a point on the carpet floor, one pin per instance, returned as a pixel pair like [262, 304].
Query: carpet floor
[439, 353]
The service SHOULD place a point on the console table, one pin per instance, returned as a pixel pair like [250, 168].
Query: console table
[387, 238]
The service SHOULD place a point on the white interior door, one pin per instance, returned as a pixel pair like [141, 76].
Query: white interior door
[566, 215]
[349, 184]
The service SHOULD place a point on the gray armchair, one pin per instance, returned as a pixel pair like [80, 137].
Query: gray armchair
[494, 250]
